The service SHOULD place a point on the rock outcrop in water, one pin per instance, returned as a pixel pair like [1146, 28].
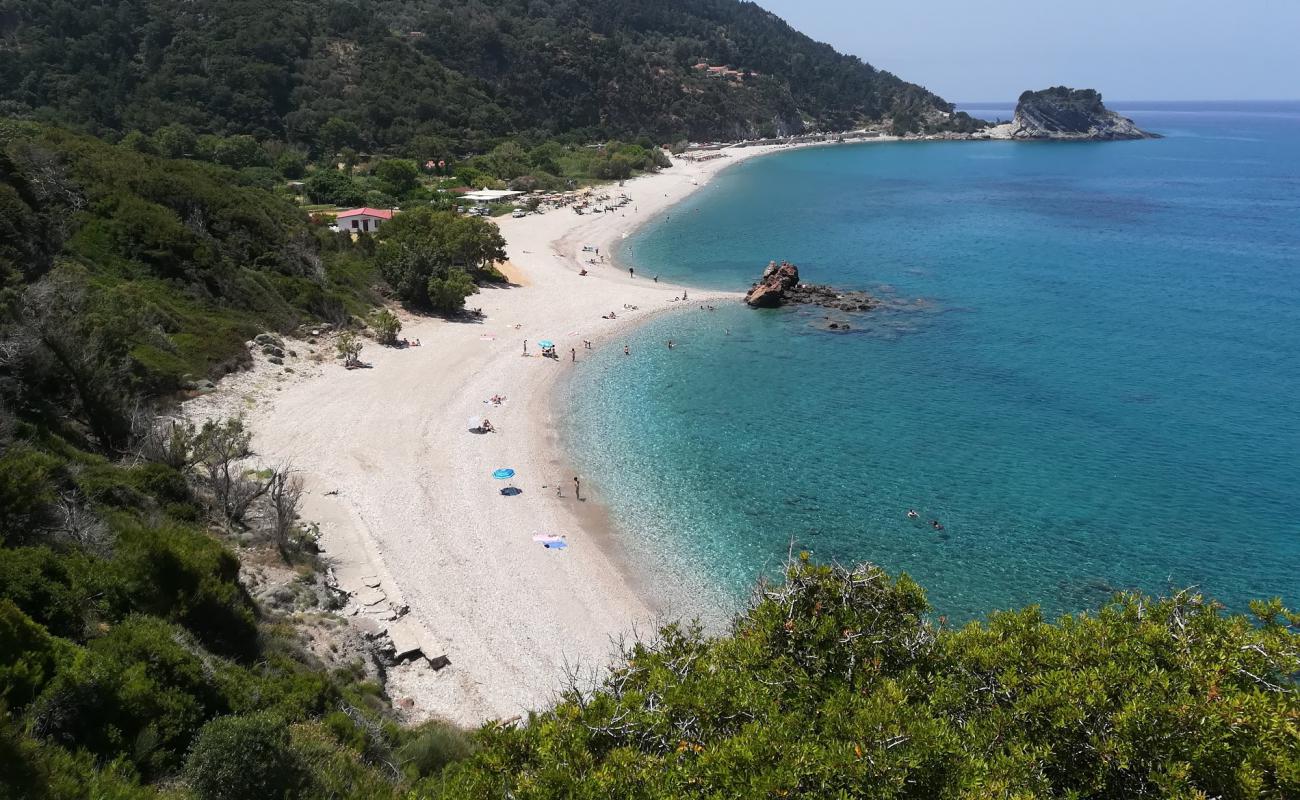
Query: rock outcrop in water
[1070, 114]
[780, 286]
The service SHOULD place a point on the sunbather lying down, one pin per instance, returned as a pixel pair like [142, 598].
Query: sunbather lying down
[486, 426]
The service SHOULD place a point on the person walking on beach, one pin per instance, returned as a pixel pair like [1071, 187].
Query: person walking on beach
[630, 273]
[656, 279]
[683, 294]
[573, 354]
[577, 487]
[525, 347]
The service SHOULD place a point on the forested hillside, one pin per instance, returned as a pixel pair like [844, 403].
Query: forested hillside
[130, 648]
[426, 77]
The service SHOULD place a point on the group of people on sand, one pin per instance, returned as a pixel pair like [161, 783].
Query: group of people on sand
[405, 342]
[934, 523]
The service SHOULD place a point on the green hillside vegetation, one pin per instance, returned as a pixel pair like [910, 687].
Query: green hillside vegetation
[837, 684]
[139, 274]
[436, 78]
[132, 659]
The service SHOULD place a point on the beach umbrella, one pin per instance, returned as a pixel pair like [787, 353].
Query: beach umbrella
[505, 474]
[544, 343]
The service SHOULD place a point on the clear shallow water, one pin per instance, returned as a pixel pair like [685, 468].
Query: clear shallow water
[1099, 389]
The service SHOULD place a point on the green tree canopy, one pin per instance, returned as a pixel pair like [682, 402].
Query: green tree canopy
[424, 244]
[333, 187]
[397, 176]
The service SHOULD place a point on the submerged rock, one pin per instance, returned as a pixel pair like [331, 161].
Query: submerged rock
[780, 286]
[1071, 114]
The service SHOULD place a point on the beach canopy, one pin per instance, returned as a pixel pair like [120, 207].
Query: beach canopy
[503, 474]
[546, 343]
[474, 423]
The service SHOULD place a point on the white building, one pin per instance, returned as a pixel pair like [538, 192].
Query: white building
[362, 220]
[485, 196]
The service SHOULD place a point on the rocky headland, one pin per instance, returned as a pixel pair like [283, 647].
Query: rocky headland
[1061, 113]
[780, 286]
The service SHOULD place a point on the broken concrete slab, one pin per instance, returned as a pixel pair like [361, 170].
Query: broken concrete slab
[371, 597]
[368, 627]
[406, 641]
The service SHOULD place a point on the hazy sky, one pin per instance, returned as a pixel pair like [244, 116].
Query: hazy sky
[980, 50]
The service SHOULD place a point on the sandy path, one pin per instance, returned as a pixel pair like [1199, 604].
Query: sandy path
[403, 491]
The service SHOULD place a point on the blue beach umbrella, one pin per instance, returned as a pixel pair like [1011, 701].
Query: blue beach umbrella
[544, 343]
[505, 474]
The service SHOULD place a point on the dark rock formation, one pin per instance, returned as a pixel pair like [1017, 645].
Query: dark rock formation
[780, 286]
[771, 289]
[1073, 114]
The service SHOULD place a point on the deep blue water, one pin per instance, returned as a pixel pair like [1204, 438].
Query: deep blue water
[1089, 372]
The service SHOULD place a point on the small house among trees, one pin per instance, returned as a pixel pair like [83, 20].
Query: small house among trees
[362, 220]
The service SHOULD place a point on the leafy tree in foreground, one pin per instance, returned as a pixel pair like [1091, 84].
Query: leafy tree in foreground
[836, 685]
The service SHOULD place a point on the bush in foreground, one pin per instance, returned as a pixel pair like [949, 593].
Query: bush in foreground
[836, 685]
[234, 758]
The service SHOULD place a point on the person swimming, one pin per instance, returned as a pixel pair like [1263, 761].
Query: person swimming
[911, 514]
[934, 523]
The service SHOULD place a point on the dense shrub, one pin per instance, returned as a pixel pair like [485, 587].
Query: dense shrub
[29, 657]
[386, 326]
[52, 588]
[184, 576]
[235, 758]
[837, 685]
[26, 493]
[432, 746]
[140, 692]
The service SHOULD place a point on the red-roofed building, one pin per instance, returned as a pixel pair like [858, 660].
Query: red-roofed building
[362, 220]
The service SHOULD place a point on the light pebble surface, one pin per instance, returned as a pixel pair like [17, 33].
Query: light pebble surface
[404, 493]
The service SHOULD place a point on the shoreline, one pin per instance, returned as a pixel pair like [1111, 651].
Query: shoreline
[402, 491]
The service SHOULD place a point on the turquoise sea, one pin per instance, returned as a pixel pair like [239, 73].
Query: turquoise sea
[1089, 371]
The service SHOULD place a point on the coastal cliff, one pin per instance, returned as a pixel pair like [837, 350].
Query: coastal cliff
[1070, 114]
